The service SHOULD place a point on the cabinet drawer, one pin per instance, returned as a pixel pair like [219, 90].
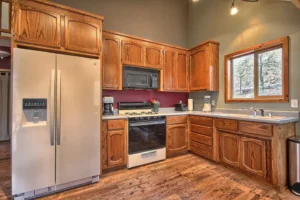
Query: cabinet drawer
[176, 120]
[256, 128]
[115, 124]
[201, 149]
[226, 124]
[208, 131]
[201, 138]
[205, 121]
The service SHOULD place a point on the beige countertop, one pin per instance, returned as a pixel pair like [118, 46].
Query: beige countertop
[243, 117]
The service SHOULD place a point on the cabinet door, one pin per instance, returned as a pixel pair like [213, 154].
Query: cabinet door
[182, 76]
[132, 53]
[82, 35]
[153, 57]
[176, 138]
[198, 73]
[111, 64]
[253, 156]
[169, 72]
[230, 149]
[116, 148]
[37, 26]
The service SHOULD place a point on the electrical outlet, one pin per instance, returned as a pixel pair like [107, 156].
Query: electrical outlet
[294, 103]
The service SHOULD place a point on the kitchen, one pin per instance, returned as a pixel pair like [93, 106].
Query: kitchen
[188, 58]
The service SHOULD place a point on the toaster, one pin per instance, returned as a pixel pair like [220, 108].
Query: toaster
[180, 107]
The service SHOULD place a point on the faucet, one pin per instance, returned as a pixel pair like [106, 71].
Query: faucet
[251, 109]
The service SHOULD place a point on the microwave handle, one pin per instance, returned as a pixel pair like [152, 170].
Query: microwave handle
[151, 80]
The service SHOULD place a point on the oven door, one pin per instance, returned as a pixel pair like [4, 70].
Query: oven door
[146, 136]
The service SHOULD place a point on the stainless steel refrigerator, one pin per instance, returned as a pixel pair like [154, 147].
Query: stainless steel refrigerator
[55, 122]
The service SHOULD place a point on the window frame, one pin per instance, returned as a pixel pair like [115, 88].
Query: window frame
[260, 48]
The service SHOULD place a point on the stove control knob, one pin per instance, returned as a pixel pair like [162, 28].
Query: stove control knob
[149, 117]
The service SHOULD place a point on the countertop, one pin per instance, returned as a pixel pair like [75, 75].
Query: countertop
[223, 115]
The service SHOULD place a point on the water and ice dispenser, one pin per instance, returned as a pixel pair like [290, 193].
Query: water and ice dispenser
[34, 112]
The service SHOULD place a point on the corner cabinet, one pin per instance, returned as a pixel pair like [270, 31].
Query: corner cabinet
[111, 63]
[177, 135]
[113, 143]
[204, 67]
[47, 25]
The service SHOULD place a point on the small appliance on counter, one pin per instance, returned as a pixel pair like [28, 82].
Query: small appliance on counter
[190, 105]
[108, 105]
[207, 104]
[180, 106]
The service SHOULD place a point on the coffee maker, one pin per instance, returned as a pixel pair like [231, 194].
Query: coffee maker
[108, 105]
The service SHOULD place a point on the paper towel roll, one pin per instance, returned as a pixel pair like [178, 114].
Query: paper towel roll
[190, 104]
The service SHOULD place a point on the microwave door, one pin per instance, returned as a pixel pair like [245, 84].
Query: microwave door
[137, 80]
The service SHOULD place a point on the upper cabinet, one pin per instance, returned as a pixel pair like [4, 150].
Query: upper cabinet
[133, 53]
[82, 35]
[37, 26]
[175, 70]
[111, 62]
[154, 56]
[44, 24]
[204, 67]
[5, 15]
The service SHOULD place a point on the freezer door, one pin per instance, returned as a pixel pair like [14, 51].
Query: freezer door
[33, 149]
[78, 118]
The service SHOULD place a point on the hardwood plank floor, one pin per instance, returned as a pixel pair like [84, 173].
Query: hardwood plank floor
[183, 177]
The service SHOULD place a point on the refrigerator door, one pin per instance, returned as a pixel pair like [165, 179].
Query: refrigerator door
[33, 149]
[78, 118]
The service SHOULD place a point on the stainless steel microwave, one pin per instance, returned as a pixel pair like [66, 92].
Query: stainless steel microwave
[138, 78]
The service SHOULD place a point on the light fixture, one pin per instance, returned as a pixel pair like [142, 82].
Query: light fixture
[233, 9]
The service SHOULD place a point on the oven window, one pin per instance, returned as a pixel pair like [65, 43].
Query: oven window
[146, 138]
[137, 79]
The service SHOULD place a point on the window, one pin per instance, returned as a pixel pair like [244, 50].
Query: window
[258, 74]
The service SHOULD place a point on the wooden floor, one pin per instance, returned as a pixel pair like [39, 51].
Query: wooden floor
[183, 177]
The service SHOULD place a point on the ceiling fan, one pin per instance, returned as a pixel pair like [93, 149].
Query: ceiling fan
[234, 10]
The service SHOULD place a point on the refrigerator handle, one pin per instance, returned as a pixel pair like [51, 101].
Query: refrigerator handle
[58, 111]
[52, 108]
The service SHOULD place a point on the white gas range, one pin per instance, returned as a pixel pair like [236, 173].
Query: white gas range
[146, 133]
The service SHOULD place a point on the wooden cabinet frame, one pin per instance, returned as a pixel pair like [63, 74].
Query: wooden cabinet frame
[278, 43]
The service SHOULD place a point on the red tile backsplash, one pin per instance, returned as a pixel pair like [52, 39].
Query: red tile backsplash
[167, 99]
[5, 62]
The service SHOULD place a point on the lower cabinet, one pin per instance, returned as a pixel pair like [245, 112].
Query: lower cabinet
[113, 143]
[245, 153]
[177, 135]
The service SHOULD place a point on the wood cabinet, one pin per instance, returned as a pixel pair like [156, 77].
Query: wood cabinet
[154, 56]
[246, 153]
[113, 143]
[111, 62]
[201, 136]
[47, 25]
[133, 53]
[204, 67]
[82, 35]
[38, 26]
[169, 72]
[116, 148]
[177, 135]
[230, 149]
[176, 70]
[254, 156]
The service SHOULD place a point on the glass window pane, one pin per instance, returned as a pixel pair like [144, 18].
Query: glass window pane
[243, 77]
[270, 73]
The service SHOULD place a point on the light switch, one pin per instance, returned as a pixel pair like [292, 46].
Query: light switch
[294, 103]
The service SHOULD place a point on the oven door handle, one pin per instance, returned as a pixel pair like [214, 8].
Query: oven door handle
[134, 124]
